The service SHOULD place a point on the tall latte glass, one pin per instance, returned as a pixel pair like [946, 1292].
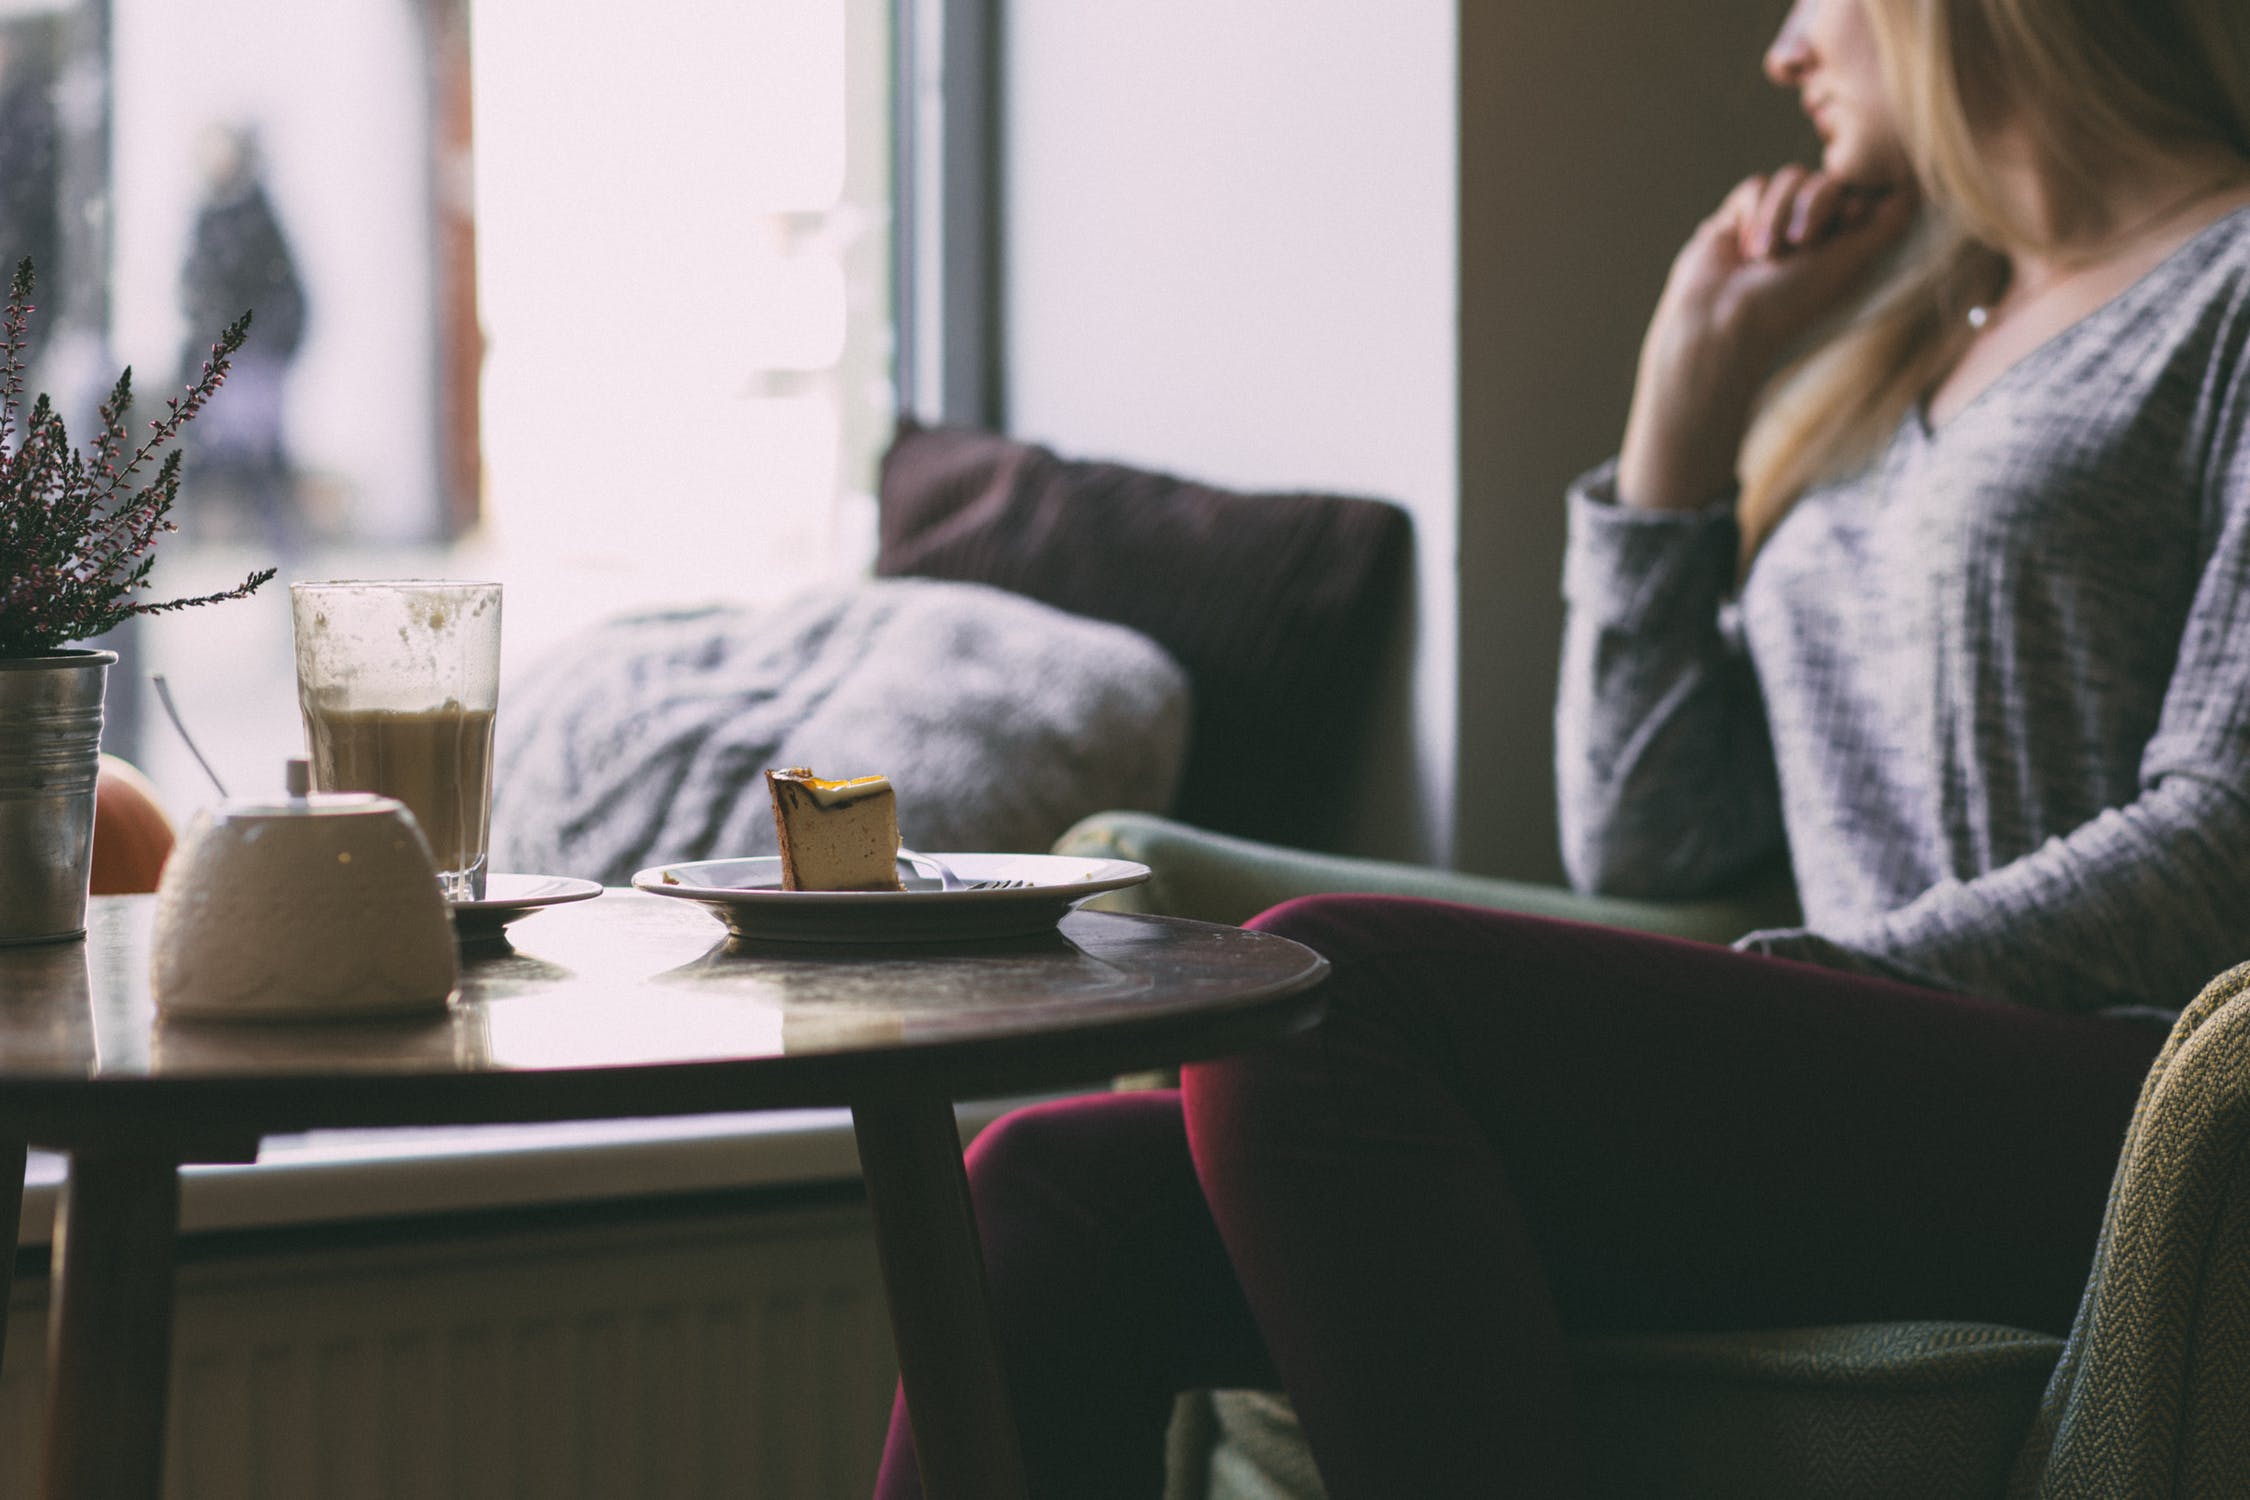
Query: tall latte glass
[398, 682]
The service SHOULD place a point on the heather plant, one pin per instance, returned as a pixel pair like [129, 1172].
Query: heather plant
[77, 538]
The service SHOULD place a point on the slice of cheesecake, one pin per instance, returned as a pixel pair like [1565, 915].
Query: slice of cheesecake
[835, 835]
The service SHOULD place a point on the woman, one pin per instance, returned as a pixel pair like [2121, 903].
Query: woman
[1968, 645]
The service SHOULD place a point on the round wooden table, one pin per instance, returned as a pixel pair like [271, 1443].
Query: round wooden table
[628, 1005]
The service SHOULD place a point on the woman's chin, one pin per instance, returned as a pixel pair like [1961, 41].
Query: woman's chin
[1866, 172]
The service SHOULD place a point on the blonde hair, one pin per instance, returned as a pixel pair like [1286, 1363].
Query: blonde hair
[2160, 74]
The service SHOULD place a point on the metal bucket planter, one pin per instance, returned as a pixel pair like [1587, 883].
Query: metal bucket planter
[50, 756]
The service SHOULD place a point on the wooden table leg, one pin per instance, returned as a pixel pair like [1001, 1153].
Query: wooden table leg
[13, 1156]
[110, 1343]
[933, 1270]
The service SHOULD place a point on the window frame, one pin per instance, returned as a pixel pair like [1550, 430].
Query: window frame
[947, 187]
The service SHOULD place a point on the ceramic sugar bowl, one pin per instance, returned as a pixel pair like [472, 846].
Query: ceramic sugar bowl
[314, 905]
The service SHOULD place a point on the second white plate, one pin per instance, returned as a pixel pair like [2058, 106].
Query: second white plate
[746, 894]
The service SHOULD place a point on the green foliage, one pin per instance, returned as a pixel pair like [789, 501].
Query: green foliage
[77, 541]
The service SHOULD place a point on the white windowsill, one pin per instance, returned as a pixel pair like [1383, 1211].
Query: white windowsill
[338, 1175]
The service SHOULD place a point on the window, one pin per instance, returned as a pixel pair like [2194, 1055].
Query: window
[595, 301]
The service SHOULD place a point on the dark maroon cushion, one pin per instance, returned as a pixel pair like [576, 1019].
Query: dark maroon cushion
[1281, 607]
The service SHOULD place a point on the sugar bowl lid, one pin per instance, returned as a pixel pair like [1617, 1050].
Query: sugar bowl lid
[299, 800]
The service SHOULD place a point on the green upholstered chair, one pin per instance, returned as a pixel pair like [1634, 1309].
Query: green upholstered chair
[2150, 1395]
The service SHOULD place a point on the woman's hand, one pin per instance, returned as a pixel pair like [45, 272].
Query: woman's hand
[1780, 253]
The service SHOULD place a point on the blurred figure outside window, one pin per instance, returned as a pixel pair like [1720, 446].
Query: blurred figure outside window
[238, 260]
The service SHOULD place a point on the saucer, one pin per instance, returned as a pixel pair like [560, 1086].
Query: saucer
[508, 897]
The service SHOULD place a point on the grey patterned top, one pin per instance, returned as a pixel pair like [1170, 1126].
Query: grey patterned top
[1992, 693]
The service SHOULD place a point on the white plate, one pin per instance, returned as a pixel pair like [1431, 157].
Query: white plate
[746, 894]
[507, 897]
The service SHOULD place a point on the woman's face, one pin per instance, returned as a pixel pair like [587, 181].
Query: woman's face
[1826, 52]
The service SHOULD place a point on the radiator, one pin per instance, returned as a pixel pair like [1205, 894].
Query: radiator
[737, 1355]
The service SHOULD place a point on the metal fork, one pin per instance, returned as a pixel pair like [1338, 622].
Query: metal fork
[948, 880]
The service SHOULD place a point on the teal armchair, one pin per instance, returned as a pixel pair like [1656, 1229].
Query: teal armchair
[2150, 1396]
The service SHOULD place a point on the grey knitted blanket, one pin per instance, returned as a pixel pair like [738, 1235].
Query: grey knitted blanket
[1001, 722]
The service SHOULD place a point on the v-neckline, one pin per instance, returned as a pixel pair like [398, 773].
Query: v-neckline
[2041, 352]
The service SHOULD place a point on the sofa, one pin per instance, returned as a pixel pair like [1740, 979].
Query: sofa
[2148, 1396]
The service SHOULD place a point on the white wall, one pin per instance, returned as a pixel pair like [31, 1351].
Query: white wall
[1229, 253]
